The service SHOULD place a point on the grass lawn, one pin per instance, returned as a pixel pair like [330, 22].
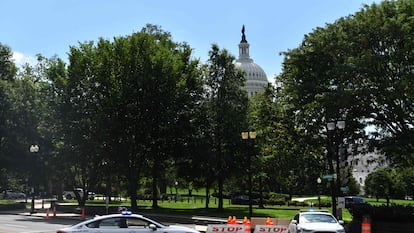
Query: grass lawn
[195, 206]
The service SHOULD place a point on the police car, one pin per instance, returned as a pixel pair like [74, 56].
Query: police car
[315, 221]
[124, 222]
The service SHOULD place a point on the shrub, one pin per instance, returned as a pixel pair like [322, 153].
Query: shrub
[394, 213]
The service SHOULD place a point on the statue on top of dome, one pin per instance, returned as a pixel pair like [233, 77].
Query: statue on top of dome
[243, 36]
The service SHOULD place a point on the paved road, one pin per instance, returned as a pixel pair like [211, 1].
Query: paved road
[20, 223]
[45, 220]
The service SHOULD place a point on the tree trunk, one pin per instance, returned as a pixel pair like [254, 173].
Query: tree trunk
[154, 186]
[132, 187]
[207, 193]
[220, 187]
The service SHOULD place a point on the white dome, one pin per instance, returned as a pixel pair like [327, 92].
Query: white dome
[256, 78]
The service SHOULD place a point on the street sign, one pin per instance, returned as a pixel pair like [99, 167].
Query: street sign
[270, 229]
[341, 202]
[226, 228]
[345, 189]
[328, 176]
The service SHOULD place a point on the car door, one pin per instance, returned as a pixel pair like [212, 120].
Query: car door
[139, 225]
[293, 224]
[122, 224]
[108, 225]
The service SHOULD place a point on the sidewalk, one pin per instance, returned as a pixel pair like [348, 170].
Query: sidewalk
[43, 209]
[48, 213]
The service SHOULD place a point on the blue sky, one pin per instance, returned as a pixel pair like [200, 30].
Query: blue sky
[49, 27]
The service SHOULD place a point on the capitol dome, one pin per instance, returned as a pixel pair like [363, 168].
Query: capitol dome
[256, 78]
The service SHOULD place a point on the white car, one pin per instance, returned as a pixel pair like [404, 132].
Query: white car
[315, 221]
[124, 222]
[7, 194]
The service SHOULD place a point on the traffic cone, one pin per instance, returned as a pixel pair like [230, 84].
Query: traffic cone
[366, 226]
[229, 220]
[269, 222]
[47, 214]
[248, 224]
[234, 220]
[83, 213]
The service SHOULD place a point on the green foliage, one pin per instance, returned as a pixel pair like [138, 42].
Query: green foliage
[137, 113]
[389, 183]
[227, 111]
[394, 213]
[379, 183]
[356, 69]
[125, 101]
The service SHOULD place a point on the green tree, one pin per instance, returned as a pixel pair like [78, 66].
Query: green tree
[19, 125]
[51, 75]
[43, 121]
[7, 74]
[383, 44]
[227, 109]
[408, 180]
[358, 69]
[129, 104]
[379, 184]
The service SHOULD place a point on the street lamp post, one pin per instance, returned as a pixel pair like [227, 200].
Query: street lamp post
[176, 190]
[33, 149]
[334, 132]
[319, 181]
[249, 136]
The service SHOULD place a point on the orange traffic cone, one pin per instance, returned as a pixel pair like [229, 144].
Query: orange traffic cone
[248, 224]
[83, 213]
[269, 222]
[234, 220]
[366, 226]
[47, 214]
[229, 220]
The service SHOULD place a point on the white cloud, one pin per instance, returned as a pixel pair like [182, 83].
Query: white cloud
[21, 59]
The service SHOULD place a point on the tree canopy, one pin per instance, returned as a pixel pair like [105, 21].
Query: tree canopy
[357, 69]
[138, 113]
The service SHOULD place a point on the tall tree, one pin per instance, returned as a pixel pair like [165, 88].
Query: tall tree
[227, 108]
[357, 69]
[7, 74]
[20, 117]
[384, 57]
[129, 104]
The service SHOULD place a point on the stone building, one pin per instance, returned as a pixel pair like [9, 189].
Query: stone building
[256, 78]
[363, 163]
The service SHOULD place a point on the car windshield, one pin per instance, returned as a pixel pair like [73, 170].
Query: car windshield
[316, 218]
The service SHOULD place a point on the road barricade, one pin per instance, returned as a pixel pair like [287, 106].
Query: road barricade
[260, 225]
[226, 228]
[270, 229]
[366, 225]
